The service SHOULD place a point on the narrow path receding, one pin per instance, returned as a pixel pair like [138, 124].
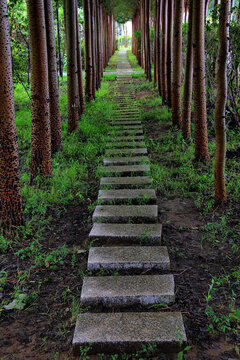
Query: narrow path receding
[125, 225]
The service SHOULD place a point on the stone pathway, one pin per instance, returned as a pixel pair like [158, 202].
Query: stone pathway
[125, 224]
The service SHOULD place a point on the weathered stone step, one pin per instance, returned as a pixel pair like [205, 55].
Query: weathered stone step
[127, 152]
[124, 170]
[143, 233]
[126, 160]
[113, 333]
[120, 291]
[127, 144]
[124, 213]
[123, 182]
[126, 122]
[127, 138]
[129, 258]
[125, 127]
[126, 132]
[148, 196]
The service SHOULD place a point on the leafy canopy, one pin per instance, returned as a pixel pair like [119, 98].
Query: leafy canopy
[123, 10]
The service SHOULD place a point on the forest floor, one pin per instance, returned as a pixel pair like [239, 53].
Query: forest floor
[203, 245]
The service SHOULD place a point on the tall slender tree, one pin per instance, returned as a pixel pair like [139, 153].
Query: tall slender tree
[177, 63]
[41, 133]
[187, 93]
[200, 112]
[169, 51]
[72, 81]
[164, 50]
[55, 116]
[11, 212]
[88, 51]
[220, 107]
[79, 65]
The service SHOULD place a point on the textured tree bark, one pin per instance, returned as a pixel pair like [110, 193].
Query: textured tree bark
[41, 134]
[206, 7]
[155, 42]
[55, 116]
[238, 17]
[93, 50]
[200, 112]
[187, 94]
[11, 212]
[147, 40]
[79, 66]
[177, 63]
[159, 47]
[73, 96]
[169, 51]
[215, 3]
[164, 50]
[88, 51]
[220, 106]
[59, 43]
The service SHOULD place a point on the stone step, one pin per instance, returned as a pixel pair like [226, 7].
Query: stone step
[126, 160]
[124, 213]
[124, 182]
[128, 144]
[121, 132]
[113, 333]
[128, 152]
[148, 196]
[124, 170]
[129, 258]
[122, 291]
[126, 122]
[143, 233]
[127, 138]
[125, 127]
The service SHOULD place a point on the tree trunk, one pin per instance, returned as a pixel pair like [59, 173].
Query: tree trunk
[177, 63]
[159, 47]
[73, 98]
[187, 94]
[79, 65]
[59, 43]
[93, 46]
[169, 51]
[164, 49]
[215, 3]
[148, 45]
[55, 116]
[155, 41]
[41, 134]
[11, 212]
[200, 112]
[220, 107]
[238, 16]
[206, 7]
[88, 51]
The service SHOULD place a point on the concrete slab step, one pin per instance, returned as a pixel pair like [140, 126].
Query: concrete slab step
[130, 123]
[124, 213]
[129, 258]
[126, 132]
[124, 170]
[148, 196]
[143, 233]
[127, 144]
[125, 182]
[128, 152]
[126, 138]
[122, 291]
[126, 160]
[113, 333]
[125, 127]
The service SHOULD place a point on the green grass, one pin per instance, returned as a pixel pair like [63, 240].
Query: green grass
[133, 61]
[112, 64]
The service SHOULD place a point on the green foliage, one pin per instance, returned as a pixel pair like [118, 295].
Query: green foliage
[133, 61]
[222, 310]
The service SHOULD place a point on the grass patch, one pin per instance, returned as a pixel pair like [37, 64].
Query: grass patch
[133, 61]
